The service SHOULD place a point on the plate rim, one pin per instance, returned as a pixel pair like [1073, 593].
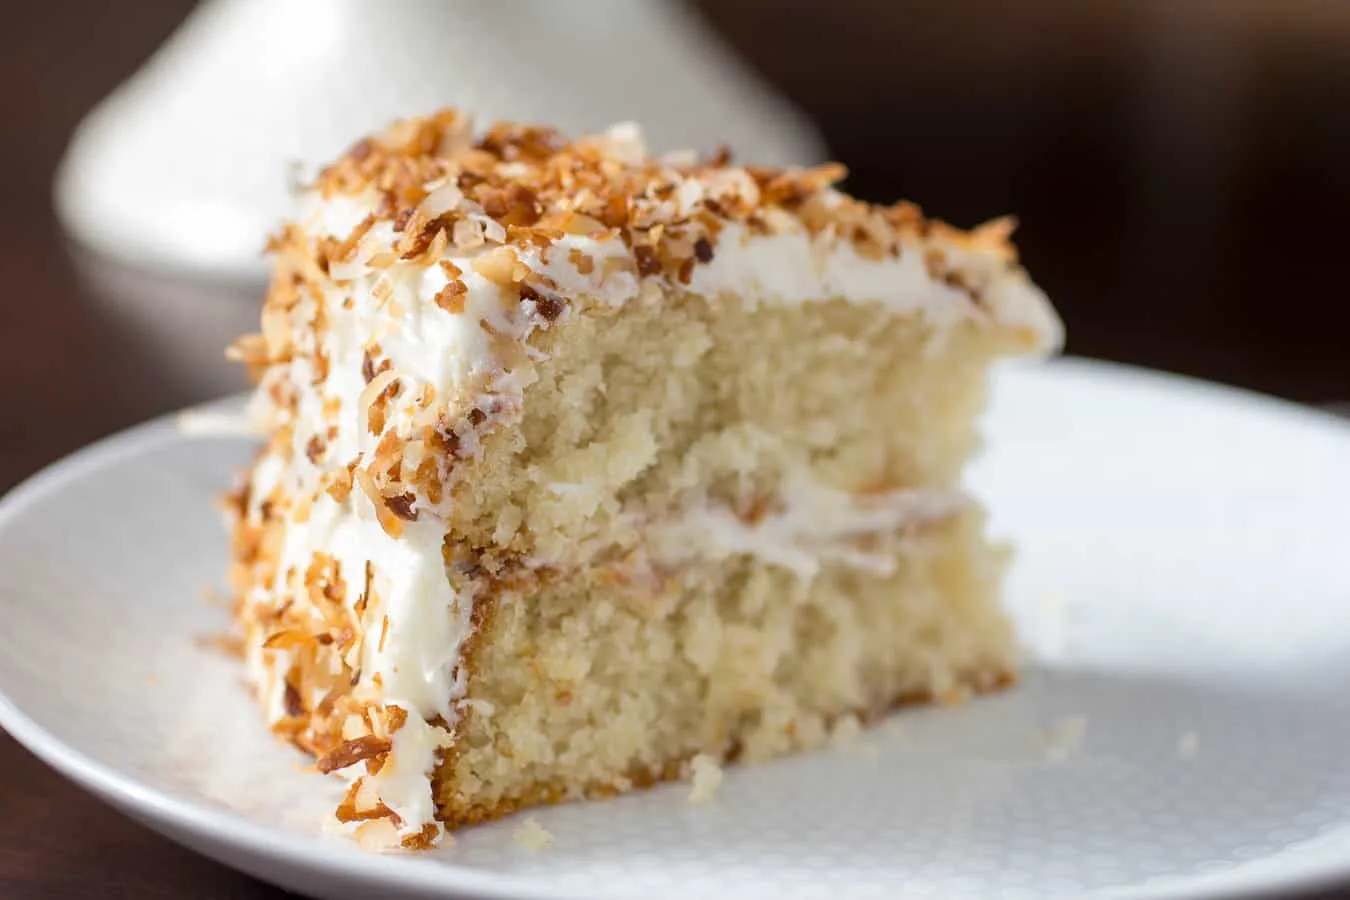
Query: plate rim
[169, 813]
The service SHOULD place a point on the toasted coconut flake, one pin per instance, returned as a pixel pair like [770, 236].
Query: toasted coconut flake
[351, 752]
[347, 249]
[287, 640]
[295, 705]
[584, 262]
[703, 250]
[351, 809]
[391, 524]
[467, 234]
[370, 394]
[368, 367]
[497, 266]
[423, 839]
[387, 451]
[648, 263]
[339, 480]
[451, 297]
[549, 306]
[403, 505]
[584, 225]
[436, 248]
[250, 349]
[364, 599]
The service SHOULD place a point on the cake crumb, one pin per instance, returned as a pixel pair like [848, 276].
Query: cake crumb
[707, 778]
[532, 836]
[222, 642]
[1064, 738]
[1188, 746]
[845, 731]
[846, 734]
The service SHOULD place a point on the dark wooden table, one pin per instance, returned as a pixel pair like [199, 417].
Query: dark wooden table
[89, 349]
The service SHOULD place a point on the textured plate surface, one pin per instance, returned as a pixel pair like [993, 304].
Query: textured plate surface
[1183, 584]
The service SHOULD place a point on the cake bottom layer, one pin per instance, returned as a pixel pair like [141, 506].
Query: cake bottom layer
[592, 685]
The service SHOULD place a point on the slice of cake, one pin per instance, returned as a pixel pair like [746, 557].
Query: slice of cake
[583, 464]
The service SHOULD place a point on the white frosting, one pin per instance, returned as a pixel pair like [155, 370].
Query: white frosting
[793, 267]
[415, 659]
[789, 266]
[816, 525]
[404, 783]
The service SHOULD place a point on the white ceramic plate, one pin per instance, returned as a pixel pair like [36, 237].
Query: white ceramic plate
[1184, 581]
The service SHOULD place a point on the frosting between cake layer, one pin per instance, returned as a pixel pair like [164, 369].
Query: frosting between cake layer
[813, 526]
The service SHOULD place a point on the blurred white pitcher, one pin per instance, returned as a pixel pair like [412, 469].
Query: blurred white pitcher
[189, 164]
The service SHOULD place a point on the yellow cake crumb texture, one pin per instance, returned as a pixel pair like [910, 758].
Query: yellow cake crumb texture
[705, 778]
[532, 836]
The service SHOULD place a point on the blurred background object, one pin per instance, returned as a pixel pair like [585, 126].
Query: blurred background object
[189, 164]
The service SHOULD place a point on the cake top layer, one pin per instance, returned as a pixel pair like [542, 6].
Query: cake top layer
[539, 186]
[610, 209]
